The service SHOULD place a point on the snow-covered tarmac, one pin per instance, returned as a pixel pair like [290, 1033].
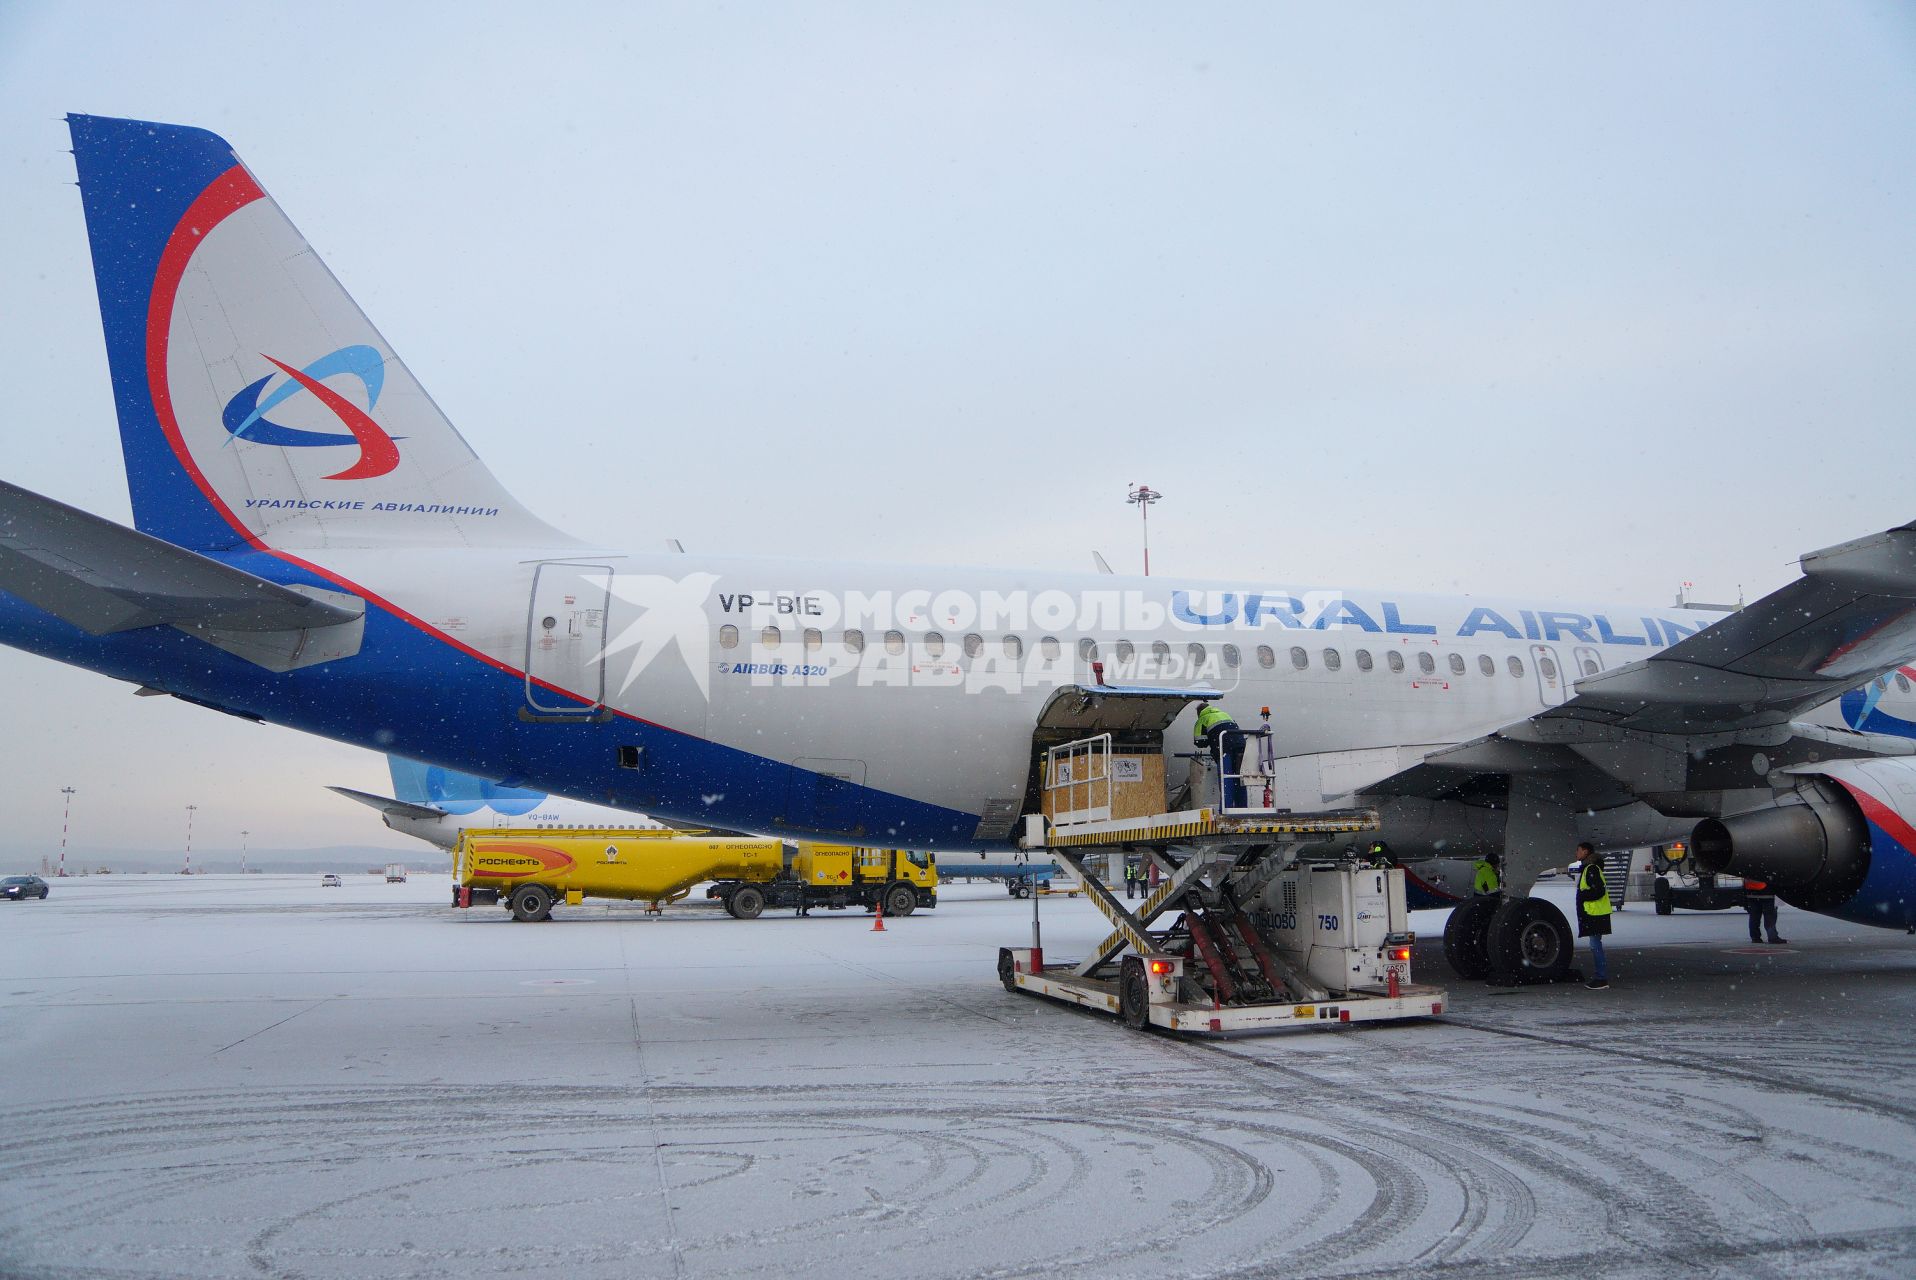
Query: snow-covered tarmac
[255, 1076]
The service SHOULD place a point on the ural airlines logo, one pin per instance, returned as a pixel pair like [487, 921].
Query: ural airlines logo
[245, 415]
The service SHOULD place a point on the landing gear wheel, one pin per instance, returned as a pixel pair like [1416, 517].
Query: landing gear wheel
[1007, 970]
[1529, 942]
[1464, 936]
[531, 902]
[900, 900]
[1660, 891]
[1134, 996]
[746, 902]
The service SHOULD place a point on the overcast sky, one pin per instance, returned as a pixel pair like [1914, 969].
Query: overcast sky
[1570, 301]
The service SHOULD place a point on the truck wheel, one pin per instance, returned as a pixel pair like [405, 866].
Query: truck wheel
[900, 900]
[1134, 996]
[1529, 942]
[1019, 889]
[746, 902]
[531, 902]
[1007, 970]
[1464, 936]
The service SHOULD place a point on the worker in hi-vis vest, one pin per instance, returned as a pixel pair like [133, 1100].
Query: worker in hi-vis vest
[1486, 879]
[1593, 913]
[1218, 734]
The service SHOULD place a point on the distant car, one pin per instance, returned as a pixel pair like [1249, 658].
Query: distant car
[329, 881]
[23, 887]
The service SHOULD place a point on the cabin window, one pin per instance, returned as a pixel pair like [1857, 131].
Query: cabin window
[1231, 655]
[1548, 668]
[771, 638]
[1486, 665]
[934, 644]
[1087, 650]
[1426, 664]
[1125, 650]
[1299, 658]
[1014, 647]
[1049, 647]
[814, 640]
[728, 636]
[1266, 656]
[1590, 666]
[1363, 660]
[974, 645]
[1195, 652]
[894, 642]
[1456, 664]
[1516, 665]
[1333, 660]
[1902, 683]
[855, 641]
[1395, 660]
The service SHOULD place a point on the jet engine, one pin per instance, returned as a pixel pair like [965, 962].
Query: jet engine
[1841, 842]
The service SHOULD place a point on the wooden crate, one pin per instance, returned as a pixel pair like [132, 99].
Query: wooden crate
[1137, 788]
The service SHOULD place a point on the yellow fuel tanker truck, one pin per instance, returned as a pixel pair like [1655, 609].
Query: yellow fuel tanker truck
[530, 871]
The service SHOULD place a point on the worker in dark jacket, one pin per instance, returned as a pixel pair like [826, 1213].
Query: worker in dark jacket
[1759, 899]
[1593, 913]
[1218, 734]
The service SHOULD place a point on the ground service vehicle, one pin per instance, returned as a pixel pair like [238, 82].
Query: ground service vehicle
[529, 871]
[836, 876]
[330, 881]
[395, 873]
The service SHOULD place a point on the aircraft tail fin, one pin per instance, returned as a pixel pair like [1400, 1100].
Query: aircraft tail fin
[457, 793]
[258, 406]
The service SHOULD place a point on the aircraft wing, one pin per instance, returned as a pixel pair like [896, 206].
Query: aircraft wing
[105, 578]
[1684, 720]
[1850, 618]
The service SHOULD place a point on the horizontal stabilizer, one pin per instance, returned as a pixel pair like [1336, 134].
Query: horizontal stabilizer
[391, 808]
[105, 578]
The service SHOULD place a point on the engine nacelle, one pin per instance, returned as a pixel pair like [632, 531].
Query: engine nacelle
[1842, 843]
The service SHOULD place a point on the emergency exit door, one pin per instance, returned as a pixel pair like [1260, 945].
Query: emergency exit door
[1553, 682]
[565, 638]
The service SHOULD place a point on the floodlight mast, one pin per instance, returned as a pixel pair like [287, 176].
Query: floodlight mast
[1142, 496]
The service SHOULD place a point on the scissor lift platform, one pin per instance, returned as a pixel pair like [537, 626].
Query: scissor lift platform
[1105, 995]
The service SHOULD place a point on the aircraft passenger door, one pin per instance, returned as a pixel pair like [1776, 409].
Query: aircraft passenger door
[565, 638]
[1553, 682]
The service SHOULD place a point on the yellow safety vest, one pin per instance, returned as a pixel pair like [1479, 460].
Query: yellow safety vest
[1486, 877]
[1210, 716]
[1600, 905]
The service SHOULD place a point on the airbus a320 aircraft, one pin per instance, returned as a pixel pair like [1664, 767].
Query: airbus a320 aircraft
[317, 547]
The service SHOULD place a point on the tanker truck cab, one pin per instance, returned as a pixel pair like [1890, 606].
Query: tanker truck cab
[837, 876]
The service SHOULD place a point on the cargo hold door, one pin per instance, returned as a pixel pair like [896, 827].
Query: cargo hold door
[565, 638]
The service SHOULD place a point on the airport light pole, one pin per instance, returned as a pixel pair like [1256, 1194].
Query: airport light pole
[243, 835]
[1142, 496]
[189, 839]
[64, 817]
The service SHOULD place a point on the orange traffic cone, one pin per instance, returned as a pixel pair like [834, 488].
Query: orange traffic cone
[878, 921]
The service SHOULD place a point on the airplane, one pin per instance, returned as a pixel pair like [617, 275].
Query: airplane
[436, 804]
[316, 546]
